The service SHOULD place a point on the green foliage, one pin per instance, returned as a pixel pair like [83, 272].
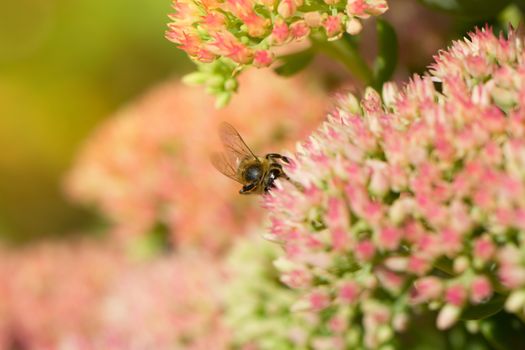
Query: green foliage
[386, 60]
[219, 78]
[511, 16]
[469, 8]
[422, 334]
[504, 331]
[345, 51]
[484, 310]
[294, 63]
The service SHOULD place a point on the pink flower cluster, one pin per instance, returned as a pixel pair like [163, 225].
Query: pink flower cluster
[49, 294]
[150, 163]
[89, 296]
[245, 31]
[414, 200]
[169, 303]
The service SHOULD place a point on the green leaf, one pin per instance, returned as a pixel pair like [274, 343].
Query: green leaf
[294, 63]
[504, 331]
[481, 311]
[195, 78]
[222, 99]
[345, 51]
[476, 9]
[386, 61]
[511, 16]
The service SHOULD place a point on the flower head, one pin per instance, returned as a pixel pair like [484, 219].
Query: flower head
[233, 33]
[81, 295]
[50, 293]
[433, 178]
[174, 304]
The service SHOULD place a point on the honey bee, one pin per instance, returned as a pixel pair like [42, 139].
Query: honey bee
[256, 174]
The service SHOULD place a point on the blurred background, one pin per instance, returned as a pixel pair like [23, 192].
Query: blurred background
[64, 66]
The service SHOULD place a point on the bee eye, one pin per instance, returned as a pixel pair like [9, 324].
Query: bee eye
[253, 173]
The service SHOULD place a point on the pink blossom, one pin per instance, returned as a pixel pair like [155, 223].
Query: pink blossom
[456, 294]
[318, 300]
[333, 26]
[434, 180]
[262, 58]
[427, 288]
[349, 292]
[481, 289]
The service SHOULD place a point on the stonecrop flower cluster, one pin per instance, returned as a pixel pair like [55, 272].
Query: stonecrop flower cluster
[169, 303]
[232, 34]
[90, 295]
[412, 202]
[259, 309]
[50, 293]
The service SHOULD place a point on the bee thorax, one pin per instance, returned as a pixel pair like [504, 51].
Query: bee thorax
[253, 173]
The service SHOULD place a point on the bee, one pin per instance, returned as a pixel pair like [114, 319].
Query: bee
[256, 174]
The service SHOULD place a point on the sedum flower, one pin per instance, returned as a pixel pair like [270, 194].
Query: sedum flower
[88, 295]
[169, 303]
[416, 200]
[148, 166]
[223, 37]
[263, 312]
[50, 293]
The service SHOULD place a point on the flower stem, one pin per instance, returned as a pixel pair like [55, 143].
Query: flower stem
[346, 53]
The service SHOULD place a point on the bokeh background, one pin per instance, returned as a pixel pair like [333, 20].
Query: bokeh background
[65, 66]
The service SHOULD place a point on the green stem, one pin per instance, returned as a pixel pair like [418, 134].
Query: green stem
[346, 53]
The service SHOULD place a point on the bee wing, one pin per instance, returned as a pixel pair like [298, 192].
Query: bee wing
[226, 165]
[234, 145]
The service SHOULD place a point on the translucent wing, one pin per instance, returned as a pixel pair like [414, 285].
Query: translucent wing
[234, 145]
[225, 165]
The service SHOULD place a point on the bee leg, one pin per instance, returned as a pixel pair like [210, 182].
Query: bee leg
[275, 173]
[287, 178]
[269, 186]
[271, 156]
[247, 188]
[281, 172]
